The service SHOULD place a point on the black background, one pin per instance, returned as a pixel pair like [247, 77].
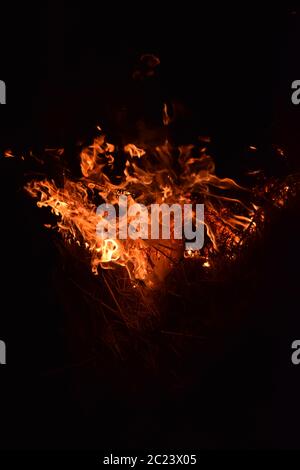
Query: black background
[68, 67]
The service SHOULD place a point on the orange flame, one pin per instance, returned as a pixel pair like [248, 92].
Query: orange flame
[148, 177]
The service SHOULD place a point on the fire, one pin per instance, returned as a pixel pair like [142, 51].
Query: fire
[8, 154]
[160, 174]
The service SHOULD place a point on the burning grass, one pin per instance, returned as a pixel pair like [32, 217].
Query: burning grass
[133, 276]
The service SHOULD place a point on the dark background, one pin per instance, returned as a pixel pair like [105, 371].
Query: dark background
[67, 68]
